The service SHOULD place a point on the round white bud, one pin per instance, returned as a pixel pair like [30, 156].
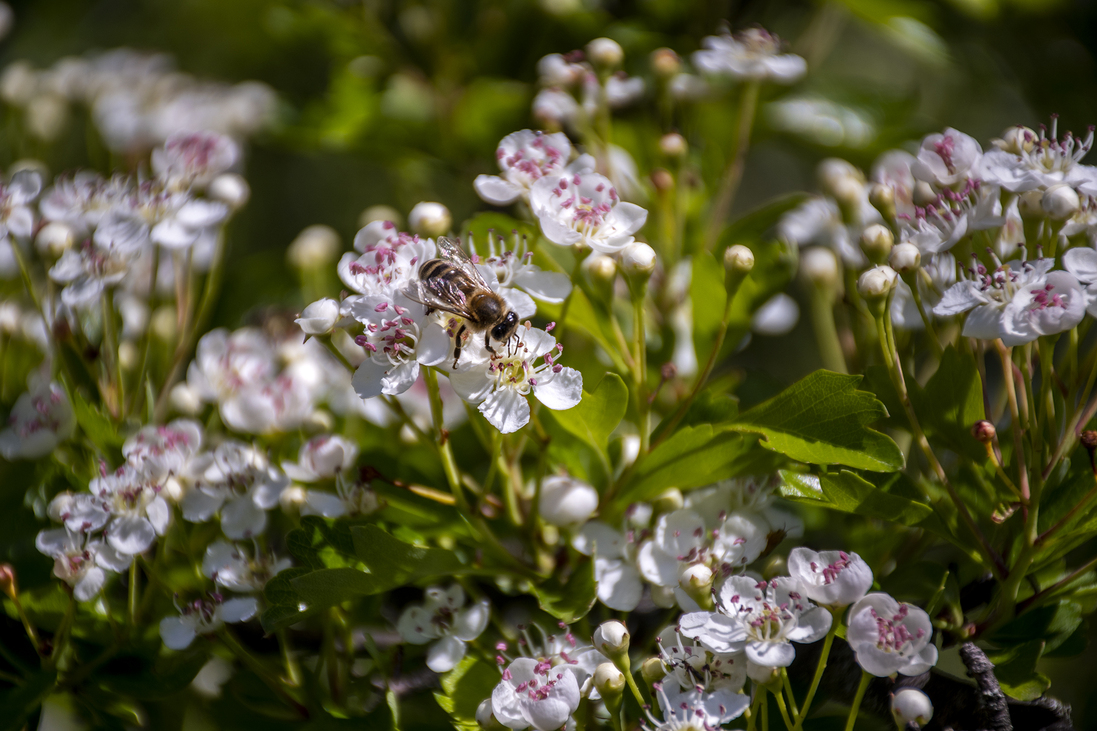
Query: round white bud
[834, 172]
[486, 717]
[882, 198]
[319, 318]
[820, 266]
[848, 192]
[128, 355]
[738, 259]
[430, 219]
[165, 323]
[911, 704]
[1030, 204]
[231, 189]
[638, 260]
[608, 680]
[566, 501]
[653, 670]
[600, 268]
[876, 283]
[668, 500]
[605, 52]
[673, 145]
[695, 579]
[665, 63]
[185, 399]
[1060, 202]
[172, 490]
[54, 238]
[905, 257]
[611, 638]
[314, 248]
[292, 498]
[876, 242]
[379, 213]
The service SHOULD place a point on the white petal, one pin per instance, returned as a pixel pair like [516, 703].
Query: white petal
[88, 586]
[812, 626]
[472, 383]
[159, 514]
[470, 623]
[444, 654]
[545, 286]
[771, 654]
[199, 506]
[597, 536]
[242, 518]
[434, 345]
[506, 410]
[495, 190]
[368, 380]
[323, 503]
[562, 390]
[239, 610]
[131, 535]
[176, 633]
[619, 585]
[656, 566]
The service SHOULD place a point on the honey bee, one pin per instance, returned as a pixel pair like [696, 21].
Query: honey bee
[452, 283]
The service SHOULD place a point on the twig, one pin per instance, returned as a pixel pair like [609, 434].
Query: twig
[993, 709]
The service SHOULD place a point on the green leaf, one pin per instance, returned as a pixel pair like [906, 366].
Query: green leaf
[98, 427]
[598, 414]
[463, 689]
[284, 606]
[693, 457]
[160, 679]
[20, 702]
[392, 562]
[951, 402]
[328, 587]
[823, 419]
[1052, 623]
[572, 600]
[1016, 671]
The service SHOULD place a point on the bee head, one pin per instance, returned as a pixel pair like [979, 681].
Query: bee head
[505, 329]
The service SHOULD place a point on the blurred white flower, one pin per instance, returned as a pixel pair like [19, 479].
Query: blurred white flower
[193, 159]
[164, 451]
[777, 316]
[138, 513]
[1041, 162]
[204, 617]
[81, 561]
[41, 419]
[566, 501]
[750, 55]
[444, 621]
[237, 480]
[947, 158]
[524, 158]
[230, 566]
[619, 585]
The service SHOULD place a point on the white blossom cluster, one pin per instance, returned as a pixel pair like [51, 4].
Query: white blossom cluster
[1005, 237]
[137, 100]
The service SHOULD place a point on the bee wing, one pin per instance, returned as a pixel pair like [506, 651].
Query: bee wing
[455, 255]
[440, 295]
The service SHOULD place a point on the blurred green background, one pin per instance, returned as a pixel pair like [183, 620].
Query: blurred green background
[397, 102]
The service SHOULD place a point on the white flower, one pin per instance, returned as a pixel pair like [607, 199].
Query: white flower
[322, 457]
[203, 617]
[16, 215]
[442, 620]
[389, 260]
[41, 419]
[188, 159]
[585, 209]
[818, 220]
[951, 216]
[138, 514]
[80, 512]
[1018, 302]
[555, 108]
[237, 480]
[164, 451]
[566, 501]
[750, 55]
[87, 270]
[619, 585]
[559, 650]
[399, 336]
[556, 70]
[1041, 163]
[892, 169]
[524, 158]
[763, 618]
[682, 541]
[501, 384]
[701, 686]
[507, 271]
[890, 637]
[933, 278]
[320, 317]
[1081, 261]
[80, 561]
[231, 567]
[777, 316]
[834, 578]
[534, 693]
[948, 158]
[751, 497]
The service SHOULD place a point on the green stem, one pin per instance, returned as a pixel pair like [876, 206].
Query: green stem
[293, 670]
[733, 174]
[1005, 356]
[255, 665]
[794, 711]
[934, 339]
[819, 669]
[861, 688]
[635, 688]
[116, 397]
[133, 594]
[1043, 594]
[826, 332]
[640, 373]
[781, 705]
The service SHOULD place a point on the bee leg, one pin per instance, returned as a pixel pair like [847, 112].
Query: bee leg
[487, 343]
[457, 346]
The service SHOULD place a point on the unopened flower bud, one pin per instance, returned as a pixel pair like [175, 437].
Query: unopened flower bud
[1060, 202]
[486, 718]
[776, 565]
[820, 266]
[983, 431]
[673, 145]
[696, 581]
[1030, 204]
[379, 213]
[1088, 439]
[665, 63]
[601, 272]
[319, 318]
[172, 490]
[876, 283]
[566, 501]
[662, 179]
[638, 261]
[128, 355]
[54, 238]
[738, 259]
[231, 189]
[430, 219]
[911, 704]
[882, 198]
[848, 193]
[165, 323]
[608, 680]
[605, 53]
[668, 501]
[1017, 139]
[834, 172]
[612, 639]
[876, 242]
[185, 399]
[923, 193]
[314, 248]
[905, 257]
[653, 670]
[7, 580]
